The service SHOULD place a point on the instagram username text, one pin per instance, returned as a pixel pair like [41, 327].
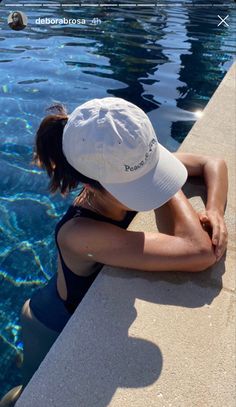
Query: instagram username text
[62, 21]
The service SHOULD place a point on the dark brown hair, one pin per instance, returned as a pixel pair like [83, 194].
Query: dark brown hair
[48, 154]
[20, 23]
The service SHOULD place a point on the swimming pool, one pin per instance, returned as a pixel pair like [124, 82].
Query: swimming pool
[168, 61]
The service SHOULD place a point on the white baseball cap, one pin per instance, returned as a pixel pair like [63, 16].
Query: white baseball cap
[113, 142]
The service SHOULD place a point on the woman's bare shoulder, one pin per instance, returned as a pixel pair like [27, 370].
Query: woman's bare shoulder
[79, 228]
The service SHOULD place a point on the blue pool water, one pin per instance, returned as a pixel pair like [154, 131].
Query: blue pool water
[167, 60]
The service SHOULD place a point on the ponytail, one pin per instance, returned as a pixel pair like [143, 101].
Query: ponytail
[48, 153]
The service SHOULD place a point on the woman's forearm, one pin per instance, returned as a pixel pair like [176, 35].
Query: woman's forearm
[178, 218]
[216, 178]
[214, 171]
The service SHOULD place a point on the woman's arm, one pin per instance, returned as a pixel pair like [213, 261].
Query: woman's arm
[214, 172]
[189, 248]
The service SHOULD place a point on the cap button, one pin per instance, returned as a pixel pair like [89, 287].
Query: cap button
[102, 115]
[103, 110]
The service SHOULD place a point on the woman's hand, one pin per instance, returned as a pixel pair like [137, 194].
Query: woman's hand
[213, 221]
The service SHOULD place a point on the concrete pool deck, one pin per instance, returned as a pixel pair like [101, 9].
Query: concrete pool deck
[155, 339]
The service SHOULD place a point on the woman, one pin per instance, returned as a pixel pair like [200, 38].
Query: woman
[17, 22]
[109, 145]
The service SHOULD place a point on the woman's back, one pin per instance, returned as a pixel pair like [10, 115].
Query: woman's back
[75, 274]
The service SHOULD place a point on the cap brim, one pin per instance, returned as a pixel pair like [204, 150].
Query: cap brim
[154, 188]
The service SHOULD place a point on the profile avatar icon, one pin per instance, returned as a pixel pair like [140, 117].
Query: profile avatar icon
[17, 20]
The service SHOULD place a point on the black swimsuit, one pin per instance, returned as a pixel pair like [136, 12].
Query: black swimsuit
[46, 304]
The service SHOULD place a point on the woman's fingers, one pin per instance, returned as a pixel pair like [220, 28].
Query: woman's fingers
[221, 247]
[215, 233]
[219, 231]
[217, 238]
[203, 217]
[220, 238]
